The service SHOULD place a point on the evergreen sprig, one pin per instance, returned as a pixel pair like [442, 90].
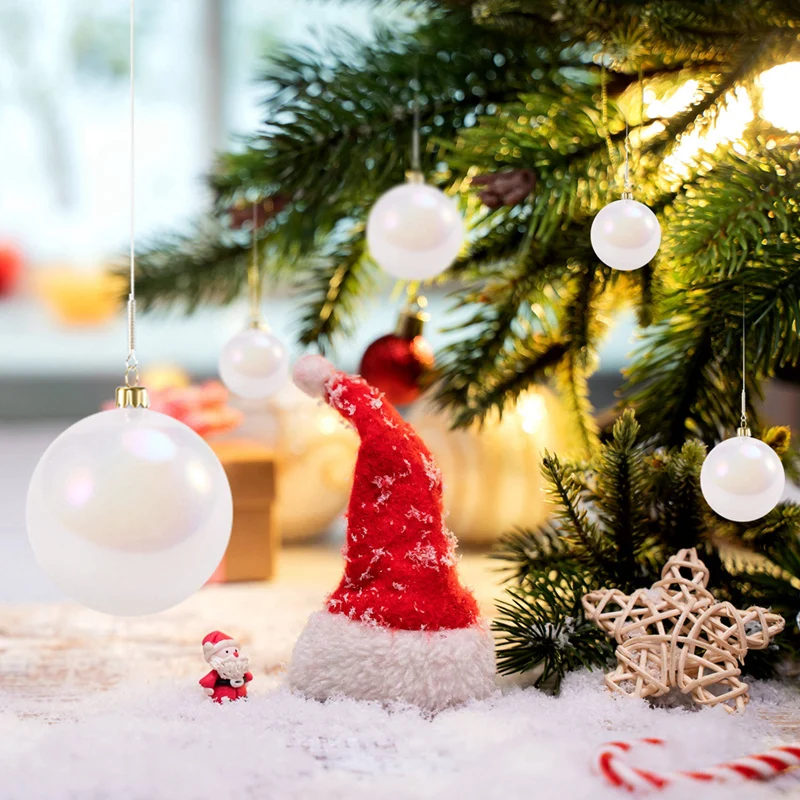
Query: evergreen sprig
[547, 631]
[616, 519]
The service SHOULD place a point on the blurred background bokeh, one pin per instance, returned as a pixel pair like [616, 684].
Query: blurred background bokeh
[64, 223]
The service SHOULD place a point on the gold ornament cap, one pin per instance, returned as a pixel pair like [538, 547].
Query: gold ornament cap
[413, 317]
[132, 397]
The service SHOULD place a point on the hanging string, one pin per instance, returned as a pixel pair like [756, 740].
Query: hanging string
[626, 186]
[132, 363]
[743, 421]
[604, 108]
[254, 277]
[416, 160]
[638, 167]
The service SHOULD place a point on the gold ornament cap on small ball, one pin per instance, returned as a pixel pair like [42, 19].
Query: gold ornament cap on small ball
[132, 397]
[411, 322]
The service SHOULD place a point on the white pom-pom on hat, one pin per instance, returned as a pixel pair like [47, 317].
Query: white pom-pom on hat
[312, 373]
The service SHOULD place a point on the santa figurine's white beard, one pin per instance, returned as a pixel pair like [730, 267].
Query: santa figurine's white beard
[230, 668]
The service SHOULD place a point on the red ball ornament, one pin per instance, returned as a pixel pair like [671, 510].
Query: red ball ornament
[11, 263]
[398, 362]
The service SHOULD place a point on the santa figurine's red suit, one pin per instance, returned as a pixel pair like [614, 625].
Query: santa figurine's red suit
[229, 674]
[400, 626]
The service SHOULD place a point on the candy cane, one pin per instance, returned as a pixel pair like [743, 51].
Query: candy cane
[610, 763]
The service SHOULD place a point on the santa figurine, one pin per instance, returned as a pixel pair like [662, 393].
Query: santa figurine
[400, 627]
[229, 674]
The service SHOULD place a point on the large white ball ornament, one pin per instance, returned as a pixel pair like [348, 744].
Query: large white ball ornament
[414, 231]
[625, 235]
[742, 479]
[129, 511]
[254, 364]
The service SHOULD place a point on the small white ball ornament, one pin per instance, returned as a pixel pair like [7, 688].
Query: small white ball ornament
[129, 511]
[742, 479]
[414, 231]
[254, 363]
[625, 234]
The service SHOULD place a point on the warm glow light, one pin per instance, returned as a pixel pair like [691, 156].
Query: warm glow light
[686, 94]
[779, 98]
[778, 107]
[730, 123]
[531, 410]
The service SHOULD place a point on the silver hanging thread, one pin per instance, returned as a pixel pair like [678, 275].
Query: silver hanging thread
[131, 362]
[254, 278]
[627, 187]
[743, 429]
[415, 173]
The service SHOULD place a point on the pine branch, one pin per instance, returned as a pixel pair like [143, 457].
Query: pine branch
[681, 512]
[615, 522]
[573, 388]
[529, 363]
[686, 376]
[351, 109]
[689, 30]
[206, 267]
[621, 500]
[504, 322]
[337, 131]
[582, 535]
[332, 287]
[548, 631]
[735, 213]
[525, 552]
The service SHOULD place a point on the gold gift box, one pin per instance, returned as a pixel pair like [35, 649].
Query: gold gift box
[255, 539]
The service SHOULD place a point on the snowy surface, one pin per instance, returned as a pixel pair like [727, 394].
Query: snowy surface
[98, 708]
[168, 741]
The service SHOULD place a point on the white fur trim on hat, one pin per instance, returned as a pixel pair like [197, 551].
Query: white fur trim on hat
[430, 669]
[312, 373]
[209, 649]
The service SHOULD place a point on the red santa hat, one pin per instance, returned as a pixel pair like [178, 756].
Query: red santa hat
[216, 641]
[400, 626]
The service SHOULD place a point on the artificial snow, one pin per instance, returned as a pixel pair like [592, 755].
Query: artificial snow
[168, 741]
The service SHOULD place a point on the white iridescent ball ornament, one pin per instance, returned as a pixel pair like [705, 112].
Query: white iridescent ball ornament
[625, 235]
[129, 511]
[742, 478]
[414, 231]
[254, 363]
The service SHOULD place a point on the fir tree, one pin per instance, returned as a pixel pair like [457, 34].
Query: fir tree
[547, 87]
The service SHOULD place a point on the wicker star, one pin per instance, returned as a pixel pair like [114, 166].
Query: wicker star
[676, 635]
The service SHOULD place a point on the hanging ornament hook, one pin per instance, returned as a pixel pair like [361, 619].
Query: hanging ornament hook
[131, 395]
[132, 363]
[415, 174]
[743, 429]
[627, 186]
[604, 112]
[254, 279]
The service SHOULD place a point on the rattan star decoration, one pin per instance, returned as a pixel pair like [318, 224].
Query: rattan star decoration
[676, 635]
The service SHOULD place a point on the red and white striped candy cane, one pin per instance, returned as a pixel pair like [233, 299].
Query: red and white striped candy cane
[610, 762]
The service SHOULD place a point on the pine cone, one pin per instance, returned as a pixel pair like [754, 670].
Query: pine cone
[505, 188]
[264, 211]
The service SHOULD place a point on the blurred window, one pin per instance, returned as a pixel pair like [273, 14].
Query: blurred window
[64, 109]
